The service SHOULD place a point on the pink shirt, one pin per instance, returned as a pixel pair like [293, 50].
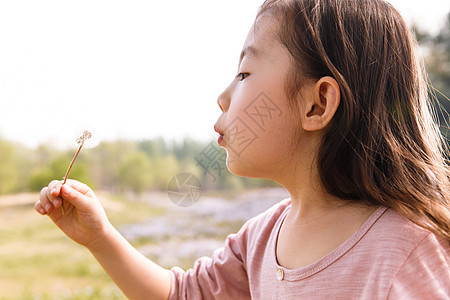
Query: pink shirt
[389, 257]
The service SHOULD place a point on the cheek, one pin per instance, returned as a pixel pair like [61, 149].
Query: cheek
[261, 153]
[242, 127]
[258, 130]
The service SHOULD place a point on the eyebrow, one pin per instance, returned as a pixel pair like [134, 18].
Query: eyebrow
[250, 51]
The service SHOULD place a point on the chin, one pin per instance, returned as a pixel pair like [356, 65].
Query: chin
[244, 168]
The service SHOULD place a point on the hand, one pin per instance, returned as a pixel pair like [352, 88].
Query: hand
[84, 220]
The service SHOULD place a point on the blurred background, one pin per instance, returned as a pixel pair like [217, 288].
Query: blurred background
[143, 77]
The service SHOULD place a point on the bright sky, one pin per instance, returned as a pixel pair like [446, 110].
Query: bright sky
[127, 69]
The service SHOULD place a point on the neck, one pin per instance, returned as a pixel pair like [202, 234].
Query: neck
[309, 198]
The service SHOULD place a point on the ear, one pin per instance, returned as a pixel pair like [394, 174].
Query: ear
[321, 104]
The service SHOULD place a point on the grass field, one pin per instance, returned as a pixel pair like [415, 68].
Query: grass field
[38, 262]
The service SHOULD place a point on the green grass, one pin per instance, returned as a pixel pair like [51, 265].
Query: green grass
[37, 261]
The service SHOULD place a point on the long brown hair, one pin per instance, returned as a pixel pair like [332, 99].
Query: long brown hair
[383, 146]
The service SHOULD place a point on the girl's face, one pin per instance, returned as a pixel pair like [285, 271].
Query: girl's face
[257, 126]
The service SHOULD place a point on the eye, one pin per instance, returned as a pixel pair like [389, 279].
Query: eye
[242, 76]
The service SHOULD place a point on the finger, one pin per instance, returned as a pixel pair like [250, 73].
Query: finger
[38, 207]
[53, 193]
[44, 200]
[76, 198]
[80, 187]
[53, 183]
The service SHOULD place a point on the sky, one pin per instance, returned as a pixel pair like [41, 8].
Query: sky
[128, 69]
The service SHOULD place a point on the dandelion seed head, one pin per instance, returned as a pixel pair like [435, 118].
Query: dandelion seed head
[86, 135]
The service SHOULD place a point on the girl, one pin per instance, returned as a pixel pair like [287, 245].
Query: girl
[354, 144]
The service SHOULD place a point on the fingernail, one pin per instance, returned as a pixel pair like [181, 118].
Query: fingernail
[48, 206]
[55, 202]
[52, 191]
[41, 211]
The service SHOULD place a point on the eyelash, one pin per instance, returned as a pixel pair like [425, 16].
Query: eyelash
[242, 76]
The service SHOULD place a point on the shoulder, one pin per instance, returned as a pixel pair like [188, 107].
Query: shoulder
[414, 260]
[394, 237]
[425, 273]
[268, 218]
[395, 233]
[256, 232]
[273, 213]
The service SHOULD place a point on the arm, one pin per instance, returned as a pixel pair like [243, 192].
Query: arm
[86, 223]
[137, 276]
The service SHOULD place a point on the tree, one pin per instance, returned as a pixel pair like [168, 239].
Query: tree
[56, 170]
[136, 173]
[105, 160]
[9, 168]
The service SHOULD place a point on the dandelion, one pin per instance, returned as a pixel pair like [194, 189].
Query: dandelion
[86, 135]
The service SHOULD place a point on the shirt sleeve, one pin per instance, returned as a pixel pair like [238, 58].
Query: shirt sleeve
[222, 276]
[426, 272]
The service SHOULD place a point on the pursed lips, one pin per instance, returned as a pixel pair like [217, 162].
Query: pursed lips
[220, 139]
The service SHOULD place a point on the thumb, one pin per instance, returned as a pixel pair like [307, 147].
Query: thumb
[77, 199]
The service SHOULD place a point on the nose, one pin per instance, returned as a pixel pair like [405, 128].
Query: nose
[224, 100]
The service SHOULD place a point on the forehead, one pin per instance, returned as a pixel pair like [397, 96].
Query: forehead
[262, 33]
[260, 40]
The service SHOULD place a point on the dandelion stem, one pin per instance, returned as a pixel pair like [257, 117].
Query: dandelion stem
[86, 135]
[71, 164]
[68, 172]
